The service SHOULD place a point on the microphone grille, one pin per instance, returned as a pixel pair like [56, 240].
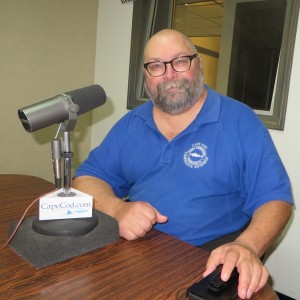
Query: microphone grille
[88, 98]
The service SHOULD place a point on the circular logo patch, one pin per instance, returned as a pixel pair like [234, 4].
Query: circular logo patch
[196, 157]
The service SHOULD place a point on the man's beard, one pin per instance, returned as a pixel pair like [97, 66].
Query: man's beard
[185, 94]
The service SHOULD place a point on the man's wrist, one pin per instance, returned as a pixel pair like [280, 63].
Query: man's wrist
[246, 245]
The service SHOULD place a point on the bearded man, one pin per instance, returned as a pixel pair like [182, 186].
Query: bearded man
[195, 164]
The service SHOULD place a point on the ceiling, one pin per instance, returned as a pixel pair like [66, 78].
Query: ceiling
[199, 18]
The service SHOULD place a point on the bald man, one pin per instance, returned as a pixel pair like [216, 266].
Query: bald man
[195, 164]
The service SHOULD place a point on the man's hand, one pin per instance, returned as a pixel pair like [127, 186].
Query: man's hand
[136, 218]
[252, 273]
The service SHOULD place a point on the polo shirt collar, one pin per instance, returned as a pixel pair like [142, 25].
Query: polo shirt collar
[210, 110]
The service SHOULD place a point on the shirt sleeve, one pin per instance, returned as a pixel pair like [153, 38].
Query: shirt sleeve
[265, 178]
[104, 163]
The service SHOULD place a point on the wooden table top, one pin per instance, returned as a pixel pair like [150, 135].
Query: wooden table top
[156, 266]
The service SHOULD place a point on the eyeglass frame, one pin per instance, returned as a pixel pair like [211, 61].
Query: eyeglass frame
[190, 57]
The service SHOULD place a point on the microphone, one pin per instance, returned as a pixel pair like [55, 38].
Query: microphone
[62, 214]
[57, 109]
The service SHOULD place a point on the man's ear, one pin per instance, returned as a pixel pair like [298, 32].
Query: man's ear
[200, 62]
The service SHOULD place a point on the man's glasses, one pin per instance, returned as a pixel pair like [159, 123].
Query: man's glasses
[179, 64]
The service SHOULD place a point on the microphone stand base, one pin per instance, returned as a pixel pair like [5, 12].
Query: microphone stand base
[44, 250]
[66, 227]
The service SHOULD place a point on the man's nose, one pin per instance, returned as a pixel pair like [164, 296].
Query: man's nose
[170, 72]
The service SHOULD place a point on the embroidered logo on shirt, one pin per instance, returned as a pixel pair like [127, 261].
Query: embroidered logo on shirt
[196, 157]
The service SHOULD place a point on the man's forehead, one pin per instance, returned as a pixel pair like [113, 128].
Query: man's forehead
[166, 45]
[169, 38]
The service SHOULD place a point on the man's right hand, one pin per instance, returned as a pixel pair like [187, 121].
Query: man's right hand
[136, 218]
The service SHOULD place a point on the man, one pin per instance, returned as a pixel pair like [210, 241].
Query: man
[194, 164]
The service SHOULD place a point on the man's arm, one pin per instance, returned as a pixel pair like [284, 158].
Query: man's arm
[135, 218]
[266, 225]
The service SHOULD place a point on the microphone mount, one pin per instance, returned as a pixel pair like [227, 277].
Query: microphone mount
[67, 154]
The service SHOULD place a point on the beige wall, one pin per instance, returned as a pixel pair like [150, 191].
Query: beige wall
[46, 47]
[112, 63]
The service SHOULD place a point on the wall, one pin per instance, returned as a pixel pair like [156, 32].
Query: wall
[47, 47]
[284, 262]
[112, 63]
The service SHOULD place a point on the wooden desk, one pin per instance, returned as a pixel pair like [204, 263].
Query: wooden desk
[155, 267]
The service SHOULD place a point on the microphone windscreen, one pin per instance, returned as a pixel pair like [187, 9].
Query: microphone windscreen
[88, 98]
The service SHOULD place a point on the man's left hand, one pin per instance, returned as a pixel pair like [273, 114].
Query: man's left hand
[253, 275]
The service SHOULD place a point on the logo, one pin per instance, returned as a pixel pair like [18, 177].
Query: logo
[126, 1]
[196, 157]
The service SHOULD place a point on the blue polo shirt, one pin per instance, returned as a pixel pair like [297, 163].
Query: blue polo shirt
[209, 180]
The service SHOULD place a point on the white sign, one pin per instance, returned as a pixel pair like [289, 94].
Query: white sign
[57, 206]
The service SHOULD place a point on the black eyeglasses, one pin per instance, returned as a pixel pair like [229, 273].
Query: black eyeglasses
[179, 64]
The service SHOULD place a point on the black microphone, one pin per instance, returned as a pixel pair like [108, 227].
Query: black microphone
[57, 109]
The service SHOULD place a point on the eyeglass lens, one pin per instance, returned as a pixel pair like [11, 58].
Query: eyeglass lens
[179, 64]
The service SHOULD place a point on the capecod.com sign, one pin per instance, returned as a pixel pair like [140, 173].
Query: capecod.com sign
[55, 207]
[65, 205]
